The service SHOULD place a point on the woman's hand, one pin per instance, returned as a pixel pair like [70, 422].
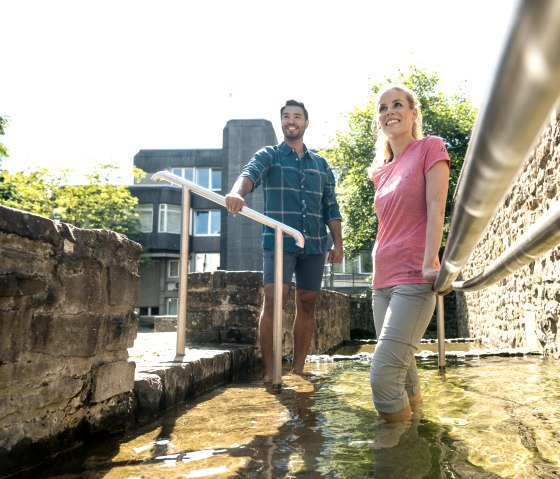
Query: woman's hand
[430, 274]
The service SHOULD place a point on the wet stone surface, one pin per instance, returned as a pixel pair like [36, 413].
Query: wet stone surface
[484, 417]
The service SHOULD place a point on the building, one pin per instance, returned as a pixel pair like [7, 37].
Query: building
[217, 240]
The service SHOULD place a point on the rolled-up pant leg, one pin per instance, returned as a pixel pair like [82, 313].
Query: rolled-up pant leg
[401, 315]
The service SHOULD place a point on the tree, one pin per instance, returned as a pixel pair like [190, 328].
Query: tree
[351, 152]
[95, 204]
[5, 192]
[3, 149]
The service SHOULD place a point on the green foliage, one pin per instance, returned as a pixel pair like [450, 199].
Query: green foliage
[3, 149]
[351, 152]
[350, 158]
[95, 204]
[31, 192]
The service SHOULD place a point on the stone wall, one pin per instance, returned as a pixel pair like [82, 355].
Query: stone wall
[224, 307]
[67, 320]
[362, 327]
[521, 311]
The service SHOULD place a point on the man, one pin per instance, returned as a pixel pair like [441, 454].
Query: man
[299, 192]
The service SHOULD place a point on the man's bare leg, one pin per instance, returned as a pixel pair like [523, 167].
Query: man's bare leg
[304, 325]
[266, 328]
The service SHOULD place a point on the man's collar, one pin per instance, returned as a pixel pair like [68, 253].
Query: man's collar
[286, 149]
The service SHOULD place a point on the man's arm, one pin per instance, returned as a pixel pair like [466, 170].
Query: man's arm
[336, 253]
[235, 198]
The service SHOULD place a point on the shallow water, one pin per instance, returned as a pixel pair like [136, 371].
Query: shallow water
[491, 417]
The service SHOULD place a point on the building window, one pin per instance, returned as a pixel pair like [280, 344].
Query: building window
[187, 173]
[216, 180]
[171, 307]
[202, 177]
[361, 264]
[145, 217]
[337, 267]
[206, 222]
[208, 178]
[148, 311]
[169, 219]
[366, 262]
[173, 268]
[204, 262]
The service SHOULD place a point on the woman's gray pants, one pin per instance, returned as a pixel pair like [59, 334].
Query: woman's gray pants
[401, 315]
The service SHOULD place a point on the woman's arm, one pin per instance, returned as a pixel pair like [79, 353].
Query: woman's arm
[437, 181]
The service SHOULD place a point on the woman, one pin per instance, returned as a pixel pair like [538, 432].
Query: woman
[410, 173]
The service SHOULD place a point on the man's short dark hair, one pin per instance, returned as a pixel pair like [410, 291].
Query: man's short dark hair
[295, 103]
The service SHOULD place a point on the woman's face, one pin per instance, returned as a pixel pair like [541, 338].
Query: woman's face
[394, 114]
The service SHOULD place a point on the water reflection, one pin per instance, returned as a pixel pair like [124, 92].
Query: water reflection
[398, 451]
[486, 418]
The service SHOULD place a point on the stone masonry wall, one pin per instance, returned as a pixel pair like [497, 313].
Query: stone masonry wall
[521, 311]
[224, 307]
[67, 318]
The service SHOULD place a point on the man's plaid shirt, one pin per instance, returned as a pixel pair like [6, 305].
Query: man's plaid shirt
[297, 192]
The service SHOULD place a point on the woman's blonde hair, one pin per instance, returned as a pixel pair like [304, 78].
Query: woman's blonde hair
[383, 150]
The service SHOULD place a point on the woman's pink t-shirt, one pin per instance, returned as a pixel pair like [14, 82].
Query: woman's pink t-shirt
[400, 203]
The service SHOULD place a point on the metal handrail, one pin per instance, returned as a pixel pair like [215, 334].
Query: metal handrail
[538, 239]
[279, 228]
[525, 88]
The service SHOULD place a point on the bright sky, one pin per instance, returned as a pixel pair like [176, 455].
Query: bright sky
[86, 82]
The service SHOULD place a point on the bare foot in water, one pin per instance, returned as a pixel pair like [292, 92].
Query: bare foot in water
[388, 434]
[302, 373]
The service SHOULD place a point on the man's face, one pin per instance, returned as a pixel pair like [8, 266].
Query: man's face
[294, 123]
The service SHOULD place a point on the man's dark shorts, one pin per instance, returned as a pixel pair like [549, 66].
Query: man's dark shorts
[308, 269]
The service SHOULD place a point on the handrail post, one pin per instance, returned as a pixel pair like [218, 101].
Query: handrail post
[183, 273]
[279, 228]
[440, 332]
[277, 318]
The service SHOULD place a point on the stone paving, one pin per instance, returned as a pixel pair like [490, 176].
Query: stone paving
[155, 350]
[163, 379]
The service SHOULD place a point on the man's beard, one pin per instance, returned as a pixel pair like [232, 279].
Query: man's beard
[293, 135]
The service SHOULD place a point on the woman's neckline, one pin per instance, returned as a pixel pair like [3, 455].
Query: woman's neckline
[393, 159]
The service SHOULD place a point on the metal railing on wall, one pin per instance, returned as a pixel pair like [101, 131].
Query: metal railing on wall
[525, 89]
[279, 230]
